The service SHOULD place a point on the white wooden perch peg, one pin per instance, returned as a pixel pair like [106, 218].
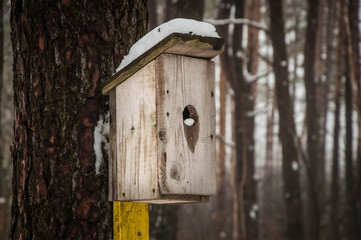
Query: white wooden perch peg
[189, 122]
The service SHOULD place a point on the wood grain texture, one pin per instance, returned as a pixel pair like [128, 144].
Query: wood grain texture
[130, 221]
[183, 81]
[137, 137]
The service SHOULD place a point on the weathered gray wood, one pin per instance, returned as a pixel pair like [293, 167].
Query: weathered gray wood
[176, 43]
[186, 155]
[137, 137]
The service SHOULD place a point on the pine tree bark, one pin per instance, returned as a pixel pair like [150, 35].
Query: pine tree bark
[63, 51]
[287, 130]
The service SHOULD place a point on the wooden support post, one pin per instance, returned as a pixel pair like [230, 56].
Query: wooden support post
[130, 221]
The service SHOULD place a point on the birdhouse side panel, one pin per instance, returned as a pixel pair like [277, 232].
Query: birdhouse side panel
[186, 125]
[113, 189]
[137, 137]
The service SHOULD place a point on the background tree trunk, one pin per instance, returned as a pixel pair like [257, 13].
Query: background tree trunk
[152, 14]
[354, 20]
[287, 131]
[62, 54]
[313, 130]
[185, 9]
[335, 187]
[3, 193]
[351, 223]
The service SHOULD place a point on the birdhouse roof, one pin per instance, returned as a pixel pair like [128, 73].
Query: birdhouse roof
[179, 36]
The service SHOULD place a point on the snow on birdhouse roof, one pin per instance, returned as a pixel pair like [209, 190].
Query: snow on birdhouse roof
[178, 36]
[177, 25]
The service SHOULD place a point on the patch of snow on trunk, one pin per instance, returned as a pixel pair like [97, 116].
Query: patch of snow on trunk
[101, 133]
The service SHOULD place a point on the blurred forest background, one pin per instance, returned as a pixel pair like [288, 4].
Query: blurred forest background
[289, 121]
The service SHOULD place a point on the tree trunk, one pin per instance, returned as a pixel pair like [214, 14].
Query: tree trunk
[152, 14]
[352, 227]
[185, 8]
[313, 130]
[354, 19]
[322, 99]
[249, 97]
[335, 185]
[62, 54]
[226, 65]
[287, 132]
[244, 130]
[351, 95]
[3, 181]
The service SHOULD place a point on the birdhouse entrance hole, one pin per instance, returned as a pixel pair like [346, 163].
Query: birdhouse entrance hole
[191, 126]
[190, 116]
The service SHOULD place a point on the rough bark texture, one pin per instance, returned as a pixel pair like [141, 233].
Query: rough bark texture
[287, 132]
[63, 51]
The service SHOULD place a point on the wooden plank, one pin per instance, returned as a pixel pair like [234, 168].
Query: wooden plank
[130, 221]
[176, 43]
[112, 147]
[179, 199]
[137, 137]
[186, 155]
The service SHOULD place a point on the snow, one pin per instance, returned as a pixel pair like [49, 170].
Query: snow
[283, 63]
[177, 25]
[294, 165]
[253, 211]
[101, 133]
[252, 215]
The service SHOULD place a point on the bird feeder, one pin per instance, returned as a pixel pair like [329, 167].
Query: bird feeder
[162, 123]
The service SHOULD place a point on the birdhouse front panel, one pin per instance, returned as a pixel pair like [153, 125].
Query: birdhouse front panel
[136, 131]
[186, 125]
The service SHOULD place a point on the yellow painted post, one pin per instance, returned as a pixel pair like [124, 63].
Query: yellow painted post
[130, 221]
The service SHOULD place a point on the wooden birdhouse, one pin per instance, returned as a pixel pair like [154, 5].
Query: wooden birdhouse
[162, 123]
